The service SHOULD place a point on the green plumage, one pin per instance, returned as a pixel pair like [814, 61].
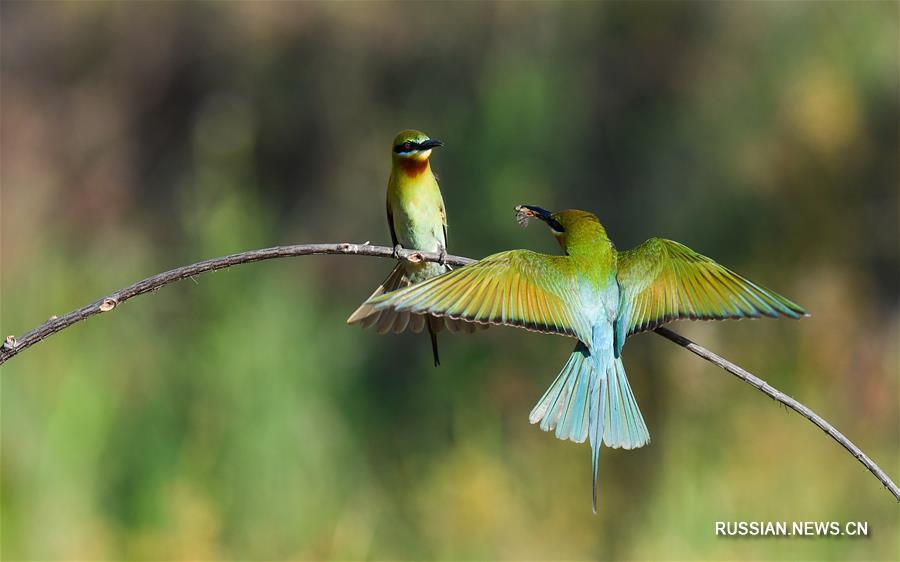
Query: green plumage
[515, 288]
[598, 296]
[662, 280]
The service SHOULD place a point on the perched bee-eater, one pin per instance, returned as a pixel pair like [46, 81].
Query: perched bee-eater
[598, 296]
[417, 221]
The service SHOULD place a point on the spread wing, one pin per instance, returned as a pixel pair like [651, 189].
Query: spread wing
[516, 288]
[662, 280]
[396, 321]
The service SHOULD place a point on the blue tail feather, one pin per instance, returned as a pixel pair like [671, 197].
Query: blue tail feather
[564, 406]
[624, 427]
[591, 398]
[598, 413]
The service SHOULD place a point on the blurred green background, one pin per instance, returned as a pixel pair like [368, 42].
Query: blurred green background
[238, 417]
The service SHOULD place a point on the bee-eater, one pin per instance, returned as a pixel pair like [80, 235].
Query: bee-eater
[417, 220]
[598, 296]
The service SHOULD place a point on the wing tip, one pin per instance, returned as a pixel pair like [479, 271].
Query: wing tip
[358, 315]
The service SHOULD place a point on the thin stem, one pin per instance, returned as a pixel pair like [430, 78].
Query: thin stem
[779, 396]
[13, 346]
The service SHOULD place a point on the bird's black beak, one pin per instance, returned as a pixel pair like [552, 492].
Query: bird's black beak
[534, 211]
[525, 212]
[429, 144]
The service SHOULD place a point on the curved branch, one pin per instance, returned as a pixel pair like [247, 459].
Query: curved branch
[779, 396]
[12, 347]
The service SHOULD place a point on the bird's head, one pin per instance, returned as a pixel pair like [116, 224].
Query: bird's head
[413, 146]
[572, 228]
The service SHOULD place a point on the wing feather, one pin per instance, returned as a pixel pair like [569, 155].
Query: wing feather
[662, 280]
[516, 288]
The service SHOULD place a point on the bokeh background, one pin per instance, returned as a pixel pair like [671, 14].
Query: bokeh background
[238, 417]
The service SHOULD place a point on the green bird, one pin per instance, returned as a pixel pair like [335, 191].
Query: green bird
[598, 296]
[417, 220]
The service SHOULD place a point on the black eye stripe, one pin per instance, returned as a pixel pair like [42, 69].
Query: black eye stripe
[555, 226]
[406, 146]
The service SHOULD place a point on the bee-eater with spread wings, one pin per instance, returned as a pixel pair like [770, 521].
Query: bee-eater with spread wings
[598, 296]
[418, 221]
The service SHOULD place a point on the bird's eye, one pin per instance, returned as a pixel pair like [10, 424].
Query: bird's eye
[407, 146]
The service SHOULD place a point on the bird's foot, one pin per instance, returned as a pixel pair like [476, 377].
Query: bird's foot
[442, 256]
[397, 249]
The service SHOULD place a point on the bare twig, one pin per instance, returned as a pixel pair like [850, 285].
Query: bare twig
[13, 346]
[779, 396]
